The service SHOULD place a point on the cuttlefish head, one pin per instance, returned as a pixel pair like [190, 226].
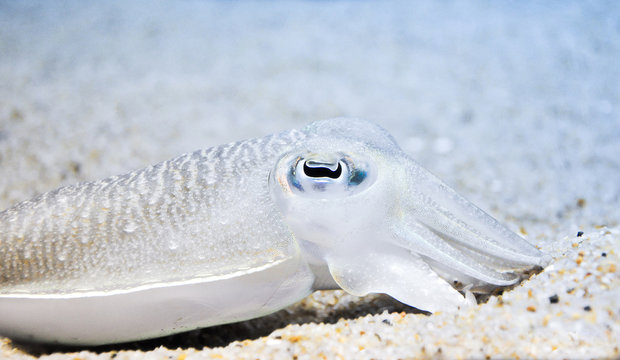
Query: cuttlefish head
[380, 223]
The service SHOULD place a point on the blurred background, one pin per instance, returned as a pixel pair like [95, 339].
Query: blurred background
[515, 104]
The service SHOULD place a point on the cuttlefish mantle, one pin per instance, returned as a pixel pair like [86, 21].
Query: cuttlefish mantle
[242, 230]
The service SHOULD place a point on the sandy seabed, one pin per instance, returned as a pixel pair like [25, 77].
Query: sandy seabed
[515, 105]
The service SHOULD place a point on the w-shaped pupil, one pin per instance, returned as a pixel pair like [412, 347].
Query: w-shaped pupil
[321, 171]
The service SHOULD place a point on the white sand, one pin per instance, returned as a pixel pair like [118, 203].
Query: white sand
[516, 106]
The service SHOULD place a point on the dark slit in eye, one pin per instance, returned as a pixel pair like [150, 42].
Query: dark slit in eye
[321, 171]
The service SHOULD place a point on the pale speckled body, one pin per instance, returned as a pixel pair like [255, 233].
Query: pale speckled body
[201, 214]
[241, 230]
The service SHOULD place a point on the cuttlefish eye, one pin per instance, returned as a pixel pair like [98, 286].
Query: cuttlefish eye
[324, 175]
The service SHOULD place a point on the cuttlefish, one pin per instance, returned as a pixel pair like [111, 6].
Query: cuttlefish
[241, 230]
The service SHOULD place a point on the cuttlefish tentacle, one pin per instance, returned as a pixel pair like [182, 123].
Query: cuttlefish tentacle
[444, 211]
[425, 242]
[241, 230]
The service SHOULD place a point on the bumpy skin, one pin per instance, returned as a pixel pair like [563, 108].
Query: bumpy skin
[241, 230]
[201, 214]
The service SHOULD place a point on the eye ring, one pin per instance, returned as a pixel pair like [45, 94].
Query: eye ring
[323, 175]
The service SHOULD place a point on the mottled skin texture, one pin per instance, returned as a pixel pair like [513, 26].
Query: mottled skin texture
[200, 214]
[244, 229]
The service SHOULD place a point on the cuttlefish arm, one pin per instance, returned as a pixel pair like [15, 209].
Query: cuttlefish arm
[241, 230]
